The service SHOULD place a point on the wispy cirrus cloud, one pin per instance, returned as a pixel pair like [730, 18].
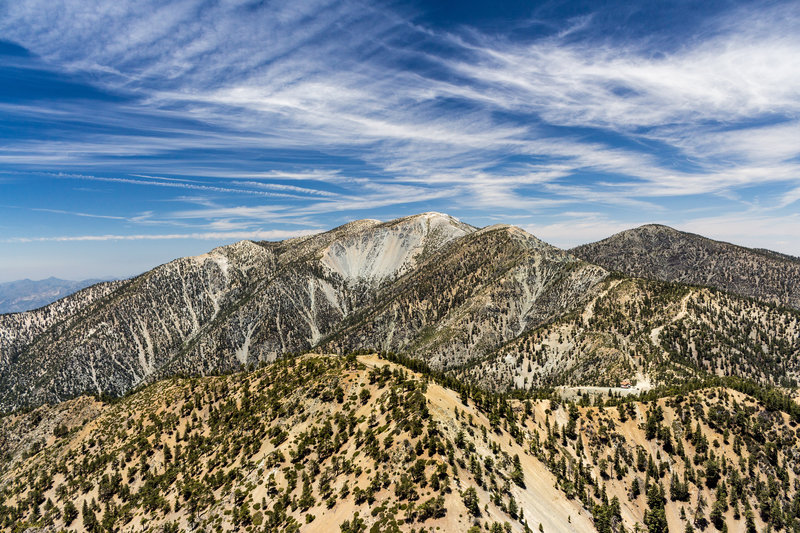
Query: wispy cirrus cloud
[284, 91]
[208, 236]
[180, 184]
[277, 113]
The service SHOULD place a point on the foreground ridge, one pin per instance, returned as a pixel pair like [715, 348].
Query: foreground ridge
[322, 443]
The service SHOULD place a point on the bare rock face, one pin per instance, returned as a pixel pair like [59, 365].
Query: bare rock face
[665, 254]
[391, 249]
[470, 298]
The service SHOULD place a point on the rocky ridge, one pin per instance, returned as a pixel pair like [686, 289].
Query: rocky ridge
[494, 306]
[646, 333]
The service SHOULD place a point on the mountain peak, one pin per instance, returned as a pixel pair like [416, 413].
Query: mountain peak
[655, 227]
[651, 229]
[384, 250]
[660, 252]
[431, 217]
[431, 214]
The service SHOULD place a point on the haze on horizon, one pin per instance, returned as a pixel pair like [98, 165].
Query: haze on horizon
[135, 132]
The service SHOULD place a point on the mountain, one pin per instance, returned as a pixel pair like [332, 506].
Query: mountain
[356, 444]
[518, 387]
[428, 284]
[663, 253]
[460, 304]
[26, 294]
[494, 306]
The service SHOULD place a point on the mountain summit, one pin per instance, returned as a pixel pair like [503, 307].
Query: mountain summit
[381, 251]
[663, 253]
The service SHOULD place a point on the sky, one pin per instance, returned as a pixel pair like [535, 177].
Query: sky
[136, 132]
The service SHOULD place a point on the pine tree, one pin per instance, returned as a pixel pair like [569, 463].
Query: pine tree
[70, 513]
[90, 522]
[656, 518]
[470, 497]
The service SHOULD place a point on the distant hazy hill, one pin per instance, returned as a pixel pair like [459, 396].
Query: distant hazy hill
[26, 294]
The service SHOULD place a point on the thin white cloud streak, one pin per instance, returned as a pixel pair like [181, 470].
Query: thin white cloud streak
[251, 235]
[753, 145]
[310, 175]
[372, 196]
[284, 187]
[76, 213]
[790, 197]
[179, 185]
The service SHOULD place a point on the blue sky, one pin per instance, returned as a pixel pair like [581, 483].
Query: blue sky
[134, 132]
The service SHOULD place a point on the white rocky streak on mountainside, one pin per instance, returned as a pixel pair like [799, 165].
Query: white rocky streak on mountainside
[655, 333]
[390, 249]
[243, 352]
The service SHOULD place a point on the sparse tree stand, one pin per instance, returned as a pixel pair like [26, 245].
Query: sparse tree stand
[222, 424]
[356, 525]
[90, 522]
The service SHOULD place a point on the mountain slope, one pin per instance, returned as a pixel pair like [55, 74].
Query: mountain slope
[471, 298]
[26, 294]
[120, 339]
[17, 330]
[251, 302]
[649, 333]
[494, 306]
[304, 444]
[666, 254]
[321, 443]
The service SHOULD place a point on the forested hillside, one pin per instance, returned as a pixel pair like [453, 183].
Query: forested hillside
[322, 443]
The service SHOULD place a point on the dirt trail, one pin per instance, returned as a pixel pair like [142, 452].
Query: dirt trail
[656, 332]
[588, 311]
